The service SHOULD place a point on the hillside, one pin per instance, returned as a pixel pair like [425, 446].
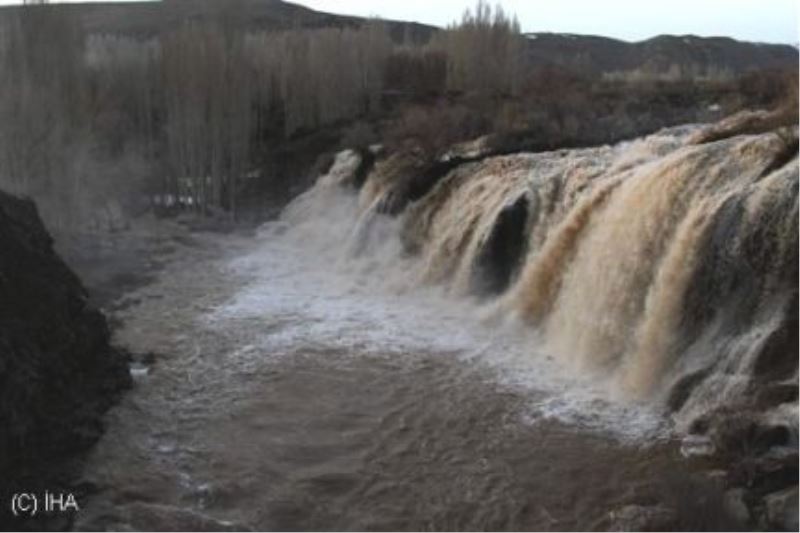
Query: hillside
[691, 54]
[145, 19]
[587, 54]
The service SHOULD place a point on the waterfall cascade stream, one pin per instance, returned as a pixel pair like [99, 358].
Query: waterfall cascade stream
[516, 347]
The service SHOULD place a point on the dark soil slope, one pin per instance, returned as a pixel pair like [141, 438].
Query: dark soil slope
[58, 373]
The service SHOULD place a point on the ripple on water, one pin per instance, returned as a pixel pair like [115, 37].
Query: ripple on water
[295, 305]
[304, 400]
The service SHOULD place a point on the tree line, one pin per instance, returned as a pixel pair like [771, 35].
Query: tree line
[185, 118]
[180, 116]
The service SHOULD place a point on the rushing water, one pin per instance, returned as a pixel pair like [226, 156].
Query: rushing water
[317, 376]
[290, 395]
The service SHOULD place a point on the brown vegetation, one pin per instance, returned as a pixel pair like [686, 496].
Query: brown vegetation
[190, 117]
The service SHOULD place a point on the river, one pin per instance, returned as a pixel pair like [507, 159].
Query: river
[292, 391]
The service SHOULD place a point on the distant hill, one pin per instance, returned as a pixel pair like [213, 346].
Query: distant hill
[597, 55]
[591, 55]
[145, 19]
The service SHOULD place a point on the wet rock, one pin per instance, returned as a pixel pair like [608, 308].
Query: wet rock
[146, 358]
[774, 360]
[775, 394]
[782, 509]
[775, 470]
[757, 454]
[742, 123]
[699, 504]
[718, 477]
[682, 389]
[393, 179]
[737, 435]
[642, 518]
[502, 253]
[735, 505]
[58, 373]
[697, 446]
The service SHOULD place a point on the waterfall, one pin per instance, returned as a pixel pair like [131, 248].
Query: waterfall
[667, 264]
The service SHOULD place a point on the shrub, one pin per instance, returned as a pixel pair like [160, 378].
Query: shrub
[433, 129]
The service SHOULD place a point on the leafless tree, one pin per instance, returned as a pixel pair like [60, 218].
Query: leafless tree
[42, 102]
[485, 52]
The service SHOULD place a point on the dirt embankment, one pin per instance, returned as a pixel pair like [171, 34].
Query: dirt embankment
[58, 371]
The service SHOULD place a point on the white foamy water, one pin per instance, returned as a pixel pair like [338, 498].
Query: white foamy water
[302, 297]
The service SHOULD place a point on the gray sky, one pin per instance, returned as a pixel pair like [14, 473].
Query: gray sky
[752, 20]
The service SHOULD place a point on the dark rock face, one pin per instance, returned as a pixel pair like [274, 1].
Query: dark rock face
[58, 373]
[501, 256]
[782, 509]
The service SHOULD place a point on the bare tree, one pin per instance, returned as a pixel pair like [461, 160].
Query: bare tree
[485, 52]
[43, 103]
[187, 108]
[208, 107]
[311, 78]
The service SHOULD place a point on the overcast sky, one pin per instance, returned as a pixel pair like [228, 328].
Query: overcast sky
[752, 20]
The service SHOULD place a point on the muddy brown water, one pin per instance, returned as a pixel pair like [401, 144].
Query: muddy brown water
[287, 396]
